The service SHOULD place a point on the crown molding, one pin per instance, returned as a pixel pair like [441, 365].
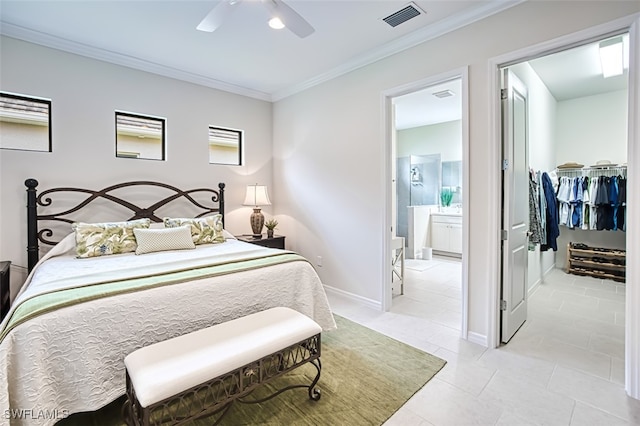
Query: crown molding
[59, 43]
[403, 43]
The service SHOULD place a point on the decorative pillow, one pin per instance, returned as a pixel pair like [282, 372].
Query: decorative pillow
[204, 230]
[99, 239]
[152, 240]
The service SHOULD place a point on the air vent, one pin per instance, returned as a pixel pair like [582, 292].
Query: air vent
[443, 94]
[403, 15]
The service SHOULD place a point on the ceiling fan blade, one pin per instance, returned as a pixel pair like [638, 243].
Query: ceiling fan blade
[218, 15]
[291, 19]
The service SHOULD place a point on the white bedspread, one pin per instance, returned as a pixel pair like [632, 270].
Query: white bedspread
[71, 360]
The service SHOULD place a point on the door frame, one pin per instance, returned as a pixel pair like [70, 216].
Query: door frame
[629, 24]
[388, 128]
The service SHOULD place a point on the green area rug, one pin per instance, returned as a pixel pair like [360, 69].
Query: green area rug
[366, 377]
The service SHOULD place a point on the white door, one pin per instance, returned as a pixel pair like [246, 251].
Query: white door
[515, 205]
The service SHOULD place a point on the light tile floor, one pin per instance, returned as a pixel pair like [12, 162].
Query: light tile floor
[565, 366]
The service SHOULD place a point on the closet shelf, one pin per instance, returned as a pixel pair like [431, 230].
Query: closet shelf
[597, 265]
[611, 253]
[596, 274]
[596, 262]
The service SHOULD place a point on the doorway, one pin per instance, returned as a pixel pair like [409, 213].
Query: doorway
[427, 144]
[604, 154]
[573, 117]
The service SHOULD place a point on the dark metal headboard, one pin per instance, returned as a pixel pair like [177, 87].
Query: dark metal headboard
[34, 200]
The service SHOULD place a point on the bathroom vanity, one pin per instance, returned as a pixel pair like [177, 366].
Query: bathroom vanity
[446, 233]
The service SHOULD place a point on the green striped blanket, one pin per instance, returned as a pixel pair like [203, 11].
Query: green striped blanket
[76, 293]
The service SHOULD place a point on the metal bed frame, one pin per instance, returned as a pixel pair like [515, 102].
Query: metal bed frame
[35, 236]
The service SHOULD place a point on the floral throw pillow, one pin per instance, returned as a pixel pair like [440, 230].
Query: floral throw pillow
[205, 230]
[100, 239]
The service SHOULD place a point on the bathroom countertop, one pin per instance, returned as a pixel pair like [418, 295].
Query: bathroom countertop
[447, 213]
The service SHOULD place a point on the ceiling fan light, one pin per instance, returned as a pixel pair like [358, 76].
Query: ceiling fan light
[276, 23]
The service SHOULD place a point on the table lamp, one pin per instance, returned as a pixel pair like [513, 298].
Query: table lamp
[257, 196]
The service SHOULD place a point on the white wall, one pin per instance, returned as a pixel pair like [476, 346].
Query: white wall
[593, 128]
[442, 138]
[85, 93]
[329, 147]
[589, 129]
[542, 152]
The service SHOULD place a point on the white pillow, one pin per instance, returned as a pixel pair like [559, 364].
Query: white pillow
[152, 240]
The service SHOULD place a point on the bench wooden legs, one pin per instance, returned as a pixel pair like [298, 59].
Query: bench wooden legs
[215, 397]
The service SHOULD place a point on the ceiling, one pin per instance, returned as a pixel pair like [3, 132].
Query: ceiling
[576, 72]
[247, 57]
[244, 55]
[568, 74]
[423, 108]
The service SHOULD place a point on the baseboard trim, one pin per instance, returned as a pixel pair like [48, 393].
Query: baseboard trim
[551, 268]
[535, 286]
[360, 300]
[479, 339]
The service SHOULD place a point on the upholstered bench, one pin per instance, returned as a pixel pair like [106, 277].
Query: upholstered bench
[202, 373]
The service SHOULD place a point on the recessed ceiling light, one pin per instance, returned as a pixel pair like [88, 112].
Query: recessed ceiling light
[611, 57]
[276, 23]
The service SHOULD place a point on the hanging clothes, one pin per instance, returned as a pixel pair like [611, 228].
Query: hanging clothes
[592, 202]
[605, 211]
[613, 200]
[593, 208]
[586, 202]
[564, 200]
[622, 199]
[576, 203]
[542, 208]
[552, 216]
[535, 227]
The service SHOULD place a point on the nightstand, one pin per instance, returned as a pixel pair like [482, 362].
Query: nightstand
[277, 241]
[5, 300]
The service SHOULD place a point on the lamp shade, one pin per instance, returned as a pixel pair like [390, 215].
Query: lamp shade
[257, 195]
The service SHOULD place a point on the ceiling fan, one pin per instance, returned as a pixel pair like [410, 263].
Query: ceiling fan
[277, 9]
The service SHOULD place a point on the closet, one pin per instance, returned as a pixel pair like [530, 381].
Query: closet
[593, 199]
[584, 126]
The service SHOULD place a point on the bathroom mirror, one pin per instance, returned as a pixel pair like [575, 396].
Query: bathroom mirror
[452, 173]
[452, 179]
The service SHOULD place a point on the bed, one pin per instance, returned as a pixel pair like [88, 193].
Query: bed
[63, 342]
